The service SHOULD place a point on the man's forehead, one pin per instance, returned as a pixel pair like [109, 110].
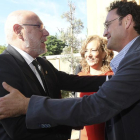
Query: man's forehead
[38, 21]
[34, 20]
[112, 14]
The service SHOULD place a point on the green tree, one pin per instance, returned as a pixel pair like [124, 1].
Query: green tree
[70, 36]
[54, 46]
[2, 48]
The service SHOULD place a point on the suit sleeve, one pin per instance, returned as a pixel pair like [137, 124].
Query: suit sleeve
[115, 95]
[76, 83]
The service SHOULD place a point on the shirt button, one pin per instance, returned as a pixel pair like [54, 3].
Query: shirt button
[45, 125]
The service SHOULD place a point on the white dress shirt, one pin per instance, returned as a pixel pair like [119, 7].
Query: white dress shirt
[116, 61]
[29, 59]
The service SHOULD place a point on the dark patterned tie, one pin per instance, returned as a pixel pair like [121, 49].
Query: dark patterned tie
[41, 73]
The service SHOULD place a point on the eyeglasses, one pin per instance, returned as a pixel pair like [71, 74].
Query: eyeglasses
[106, 24]
[41, 26]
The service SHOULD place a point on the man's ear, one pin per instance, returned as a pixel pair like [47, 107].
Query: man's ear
[128, 21]
[17, 29]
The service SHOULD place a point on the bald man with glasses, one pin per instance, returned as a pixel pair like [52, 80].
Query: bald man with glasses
[21, 67]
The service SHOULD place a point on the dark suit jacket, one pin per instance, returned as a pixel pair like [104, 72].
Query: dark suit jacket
[16, 72]
[118, 98]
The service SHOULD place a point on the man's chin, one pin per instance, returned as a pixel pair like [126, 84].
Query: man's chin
[109, 46]
[43, 51]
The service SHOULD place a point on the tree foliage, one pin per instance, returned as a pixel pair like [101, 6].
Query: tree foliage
[2, 48]
[70, 36]
[54, 46]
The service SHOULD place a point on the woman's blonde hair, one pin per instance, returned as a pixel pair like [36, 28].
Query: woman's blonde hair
[103, 45]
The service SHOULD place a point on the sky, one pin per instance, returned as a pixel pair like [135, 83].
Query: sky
[49, 11]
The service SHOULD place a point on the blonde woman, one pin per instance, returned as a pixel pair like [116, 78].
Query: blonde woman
[95, 61]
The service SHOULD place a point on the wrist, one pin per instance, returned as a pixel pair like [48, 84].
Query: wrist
[26, 103]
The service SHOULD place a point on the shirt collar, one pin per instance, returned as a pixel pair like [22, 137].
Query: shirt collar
[116, 61]
[25, 55]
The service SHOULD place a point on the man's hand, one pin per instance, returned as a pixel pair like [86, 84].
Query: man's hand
[13, 104]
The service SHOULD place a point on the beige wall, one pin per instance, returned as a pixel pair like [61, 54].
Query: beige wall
[96, 14]
[59, 64]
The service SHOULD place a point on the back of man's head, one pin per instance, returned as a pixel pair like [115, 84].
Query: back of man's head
[16, 17]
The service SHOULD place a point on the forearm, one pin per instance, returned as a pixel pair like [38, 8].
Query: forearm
[80, 83]
[97, 108]
[50, 112]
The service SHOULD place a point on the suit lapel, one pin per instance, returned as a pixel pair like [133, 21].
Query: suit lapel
[135, 46]
[24, 67]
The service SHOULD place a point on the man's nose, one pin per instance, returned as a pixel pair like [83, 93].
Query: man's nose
[45, 32]
[105, 32]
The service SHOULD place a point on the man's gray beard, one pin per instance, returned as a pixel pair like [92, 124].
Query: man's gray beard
[27, 45]
[37, 48]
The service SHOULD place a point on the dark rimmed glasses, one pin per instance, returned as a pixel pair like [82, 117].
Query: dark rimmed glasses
[106, 24]
[41, 26]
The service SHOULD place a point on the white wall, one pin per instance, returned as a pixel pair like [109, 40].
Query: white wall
[59, 64]
[96, 14]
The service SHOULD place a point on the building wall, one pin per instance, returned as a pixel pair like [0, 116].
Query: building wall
[59, 64]
[96, 14]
